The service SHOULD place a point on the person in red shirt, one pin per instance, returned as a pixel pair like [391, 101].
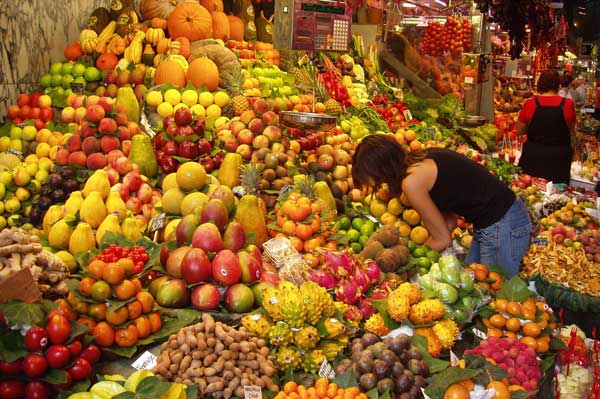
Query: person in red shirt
[548, 120]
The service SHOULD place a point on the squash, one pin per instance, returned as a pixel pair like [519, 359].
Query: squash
[98, 20]
[157, 22]
[190, 20]
[154, 35]
[236, 28]
[220, 25]
[184, 46]
[157, 8]
[117, 45]
[117, 7]
[212, 5]
[203, 72]
[88, 39]
[133, 52]
[170, 72]
[125, 22]
[73, 51]
[107, 61]
[105, 36]
[163, 45]
[224, 58]
[148, 55]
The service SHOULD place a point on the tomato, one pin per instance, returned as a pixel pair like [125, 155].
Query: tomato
[12, 368]
[75, 348]
[36, 339]
[91, 353]
[58, 356]
[10, 389]
[80, 370]
[37, 390]
[59, 329]
[35, 365]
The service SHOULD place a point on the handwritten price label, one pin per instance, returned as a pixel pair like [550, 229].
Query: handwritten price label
[146, 361]
[479, 334]
[453, 358]
[326, 370]
[252, 392]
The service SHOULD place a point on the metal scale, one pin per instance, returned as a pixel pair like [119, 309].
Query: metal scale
[312, 26]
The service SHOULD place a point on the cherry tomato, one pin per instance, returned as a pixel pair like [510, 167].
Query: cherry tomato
[75, 348]
[12, 389]
[35, 365]
[58, 356]
[36, 339]
[59, 329]
[12, 368]
[91, 353]
[80, 370]
[37, 390]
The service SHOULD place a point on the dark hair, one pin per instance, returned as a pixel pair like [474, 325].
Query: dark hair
[565, 80]
[378, 159]
[549, 80]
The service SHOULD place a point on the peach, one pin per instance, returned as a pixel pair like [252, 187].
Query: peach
[90, 145]
[107, 126]
[260, 141]
[247, 116]
[133, 127]
[124, 133]
[94, 112]
[96, 161]
[62, 156]
[121, 119]
[256, 126]
[109, 143]
[77, 158]
[270, 118]
[126, 146]
[74, 143]
[260, 106]
[272, 132]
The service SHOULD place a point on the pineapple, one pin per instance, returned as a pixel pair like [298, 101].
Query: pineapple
[289, 63]
[257, 324]
[332, 107]
[250, 175]
[280, 334]
[288, 358]
[234, 84]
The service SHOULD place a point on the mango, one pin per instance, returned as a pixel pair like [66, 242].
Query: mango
[93, 210]
[250, 216]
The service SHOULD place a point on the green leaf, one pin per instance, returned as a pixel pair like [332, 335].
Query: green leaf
[125, 395]
[373, 394]
[77, 330]
[557, 345]
[122, 352]
[12, 345]
[520, 394]
[19, 312]
[385, 395]
[152, 387]
[435, 365]
[345, 380]
[191, 391]
[55, 376]
[514, 289]
[381, 306]
[168, 328]
[547, 363]
[489, 371]
[80, 386]
[441, 381]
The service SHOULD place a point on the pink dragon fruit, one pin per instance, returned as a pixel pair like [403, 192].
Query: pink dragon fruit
[366, 308]
[323, 278]
[362, 279]
[341, 264]
[353, 314]
[373, 271]
[348, 291]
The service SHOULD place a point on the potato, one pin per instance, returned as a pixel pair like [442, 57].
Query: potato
[228, 375]
[239, 392]
[264, 351]
[218, 366]
[196, 363]
[227, 355]
[191, 340]
[180, 338]
[245, 347]
[174, 368]
[227, 393]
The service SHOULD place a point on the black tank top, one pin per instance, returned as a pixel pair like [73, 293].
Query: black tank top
[548, 125]
[468, 189]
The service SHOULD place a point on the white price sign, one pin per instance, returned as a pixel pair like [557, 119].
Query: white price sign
[252, 392]
[146, 361]
[326, 370]
[453, 358]
[480, 334]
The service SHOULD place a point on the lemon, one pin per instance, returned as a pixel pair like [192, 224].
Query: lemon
[377, 208]
[171, 201]
[29, 133]
[221, 98]
[41, 176]
[180, 105]
[12, 205]
[45, 164]
[419, 234]
[395, 206]
[213, 111]
[165, 109]
[170, 181]
[22, 194]
[4, 143]
[42, 150]
[68, 260]
[31, 158]
[172, 96]
[403, 227]
[32, 169]
[16, 144]
[5, 178]
[154, 98]
[190, 176]
[411, 217]
[16, 133]
[198, 110]
[189, 98]
[205, 99]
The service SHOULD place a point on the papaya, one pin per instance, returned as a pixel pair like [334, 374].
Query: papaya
[229, 172]
[142, 154]
[252, 219]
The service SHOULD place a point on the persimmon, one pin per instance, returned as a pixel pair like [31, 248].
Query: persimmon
[513, 308]
[97, 311]
[500, 304]
[315, 224]
[86, 321]
[513, 324]
[531, 329]
[137, 283]
[543, 345]
[126, 337]
[312, 260]
[96, 267]
[143, 326]
[290, 386]
[116, 317]
[134, 309]
[127, 265]
[456, 391]
[113, 273]
[501, 389]
[289, 228]
[494, 332]
[147, 301]
[468, 383]
[85, 286]
[510, 334]
[104, 334]
[497, 283]
[481, 274]
[126, 290]
[297, 243]
[498, 320]
[530, 342]
[155, 321]
[304, 231]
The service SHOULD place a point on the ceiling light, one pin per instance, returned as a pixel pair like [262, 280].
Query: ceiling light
[408, 5]
[440, 2]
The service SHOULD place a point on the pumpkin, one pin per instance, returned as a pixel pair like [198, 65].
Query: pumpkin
[162, 46]
[220, 25]
[117, 45]
[98, 20]
[224, 58]
[236, 28]
[73, 51]
[170, 72]
[157, 8]
[184, 48]
[212, 5]
[203, 72]
[107, 61]
[157, 22]
[190, 20]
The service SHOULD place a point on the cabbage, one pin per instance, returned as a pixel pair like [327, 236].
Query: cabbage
[107, 389]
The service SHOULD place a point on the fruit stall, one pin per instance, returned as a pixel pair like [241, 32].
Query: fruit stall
[171, 227]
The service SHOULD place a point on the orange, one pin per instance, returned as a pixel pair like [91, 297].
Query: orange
[510, 334]
[486, 322]
[101, 291]
[87, 322]
[457, 391]
[85, 286]
[419, 235]
[312, 260]
[155, 321]
[500, 304]
[498, 320]
[96, 267]
[530, 342]
[290, 386]
[127, 264]
[147, 301]
[332, 390]
[468, 383]
[481, 274]
[494, 332]
[514, 388]
[501, 389]
[513, 324]
[543, 345]
[497, 283]
[312, 244]
[81, 307]
[143, 326]
[289, 228]
[134, 309]
[126, 290]
[513, 308]
[97, 311]
[116, 317]
[104, 334]
[127, 336]
[114, 274]
[531, 329]
[138, 284]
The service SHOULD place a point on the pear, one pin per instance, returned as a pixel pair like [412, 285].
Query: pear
[93, 210]
[115, 204]
[54, 213]
[82, 239]
[59, 234]
[110, 223]
[73, 204]
[130, 229]
[97, 182]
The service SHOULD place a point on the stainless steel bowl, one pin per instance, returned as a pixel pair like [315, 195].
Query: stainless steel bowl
[307, 120]
[471, 120]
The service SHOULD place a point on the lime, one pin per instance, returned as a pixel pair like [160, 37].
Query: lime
[433, 255]
[411, 246]
[56, 79]
[423, 270]
[427, 248]
[344, 223]
[342, 232]
[362, 240]
[367, 228]
[66, 81]
[353, 235]
[355, 247]
[357, 223]
[78, 69]
[66, 69]
[419, 252]
[92, 74]
[424, 262]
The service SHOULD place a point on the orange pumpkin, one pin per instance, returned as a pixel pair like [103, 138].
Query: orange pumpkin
[159, 23]
[212, 5]
[220, 25]
[117, 45]
[162, 46]
[203, 72]
[107, 61]
[73, 51]
[170, 72]
[184, 49]
[190, 20]
[236, 28]
[157, 8]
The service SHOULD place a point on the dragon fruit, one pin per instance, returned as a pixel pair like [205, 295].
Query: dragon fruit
[366, 308]
[341, 264]
[373, 271]
[348, 291]
[362, 279]
[323, 278]
[354, 314]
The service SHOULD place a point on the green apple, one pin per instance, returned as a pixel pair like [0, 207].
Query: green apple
[56, 79]
[66, 81]
[56, 68]
[29, 133]
[78, 69]
[46, 80]
[92, 74]
[66, 69]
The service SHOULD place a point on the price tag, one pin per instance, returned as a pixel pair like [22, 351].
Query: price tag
[252, 392]
[453, 358]
[539, 241]
[157, 222]
[407, 115]
[468, 79]
[326, 370]
[14, 152]
[146, 361]
[77, 87]
[479, 334]
[373, 219]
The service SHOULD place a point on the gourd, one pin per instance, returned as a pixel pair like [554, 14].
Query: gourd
[157, 22]
[98, 20]
[133, 53]
[105, 36]
[88, 39]
[212, 5]
[148, 55]
[190, 20]
[117, 45]
[180, 60]
[162, 46]
[184, 46]
[157, 8]
[125, 21]
[154, 35]
[220, 25]
[224, 58]
[107, 61]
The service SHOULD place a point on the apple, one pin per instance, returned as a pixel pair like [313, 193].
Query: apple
[204, 146]
[182, 116]
[186, 130]
[170, 148]
[188, 149]
[168, 164]
[196, 266]
[199, 126]
[122, 165]
[208, 163]
[144, 193]
[113, 175]
[132, 180]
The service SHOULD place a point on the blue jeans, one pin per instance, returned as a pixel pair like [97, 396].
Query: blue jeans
[505, 242]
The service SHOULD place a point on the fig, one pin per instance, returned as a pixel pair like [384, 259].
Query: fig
[381, 369]
[397, 369]
[367, 381]
[403, 341]
[343, 366]
[420, 368]
[389, 357]
[358, 347]
[378, 349]
[365, 365]
[405, 395]
[356, 356]
[387, 384]
[403, 384]
[369, 339]
[419, 381]
[404, 356]
[415, 392]
[414, 353]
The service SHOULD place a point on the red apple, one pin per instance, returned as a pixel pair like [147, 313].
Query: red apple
[188, 149]
[183, 116]
[132, 180]
[196, 266]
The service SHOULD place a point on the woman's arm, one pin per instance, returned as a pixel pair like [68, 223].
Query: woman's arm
[415, 188]
[521, 128]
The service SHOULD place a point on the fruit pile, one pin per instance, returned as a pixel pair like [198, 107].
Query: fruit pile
[392, 112]
[220, 359]
[392, 365]
[111, 301]
[55, 358]
[518, 321]
[62, 75]
[113, 80]
[516, 358]
[483, 277]
[35, 107]
[322, 388]
[358, 230]
[454, 37]
[387, 248]
[55, 190]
